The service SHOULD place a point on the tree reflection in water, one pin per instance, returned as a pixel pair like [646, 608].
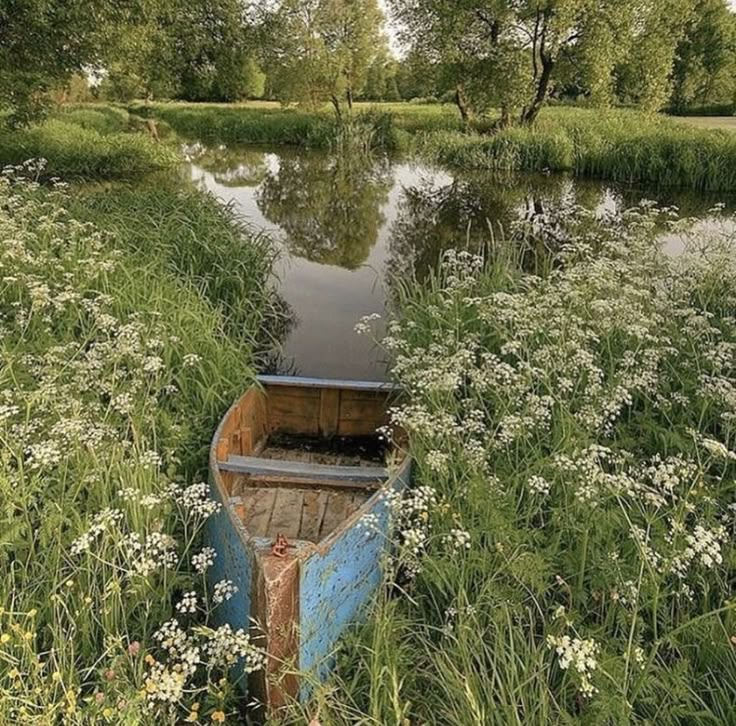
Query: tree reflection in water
[230, 166]
[472, 210]
[330, 207]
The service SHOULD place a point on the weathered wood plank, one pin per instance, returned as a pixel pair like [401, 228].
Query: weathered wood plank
[307, 382]
[278, 467]
[336, 582]
[313, 512]
[287, 513]
[336, 512]
[259, 507]
[329, 411]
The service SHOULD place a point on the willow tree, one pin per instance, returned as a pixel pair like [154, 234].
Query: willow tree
[44, 42]
[321, 50]
[705, 65]
[506, 53]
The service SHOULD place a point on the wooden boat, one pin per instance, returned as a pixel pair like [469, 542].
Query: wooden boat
[296, 464]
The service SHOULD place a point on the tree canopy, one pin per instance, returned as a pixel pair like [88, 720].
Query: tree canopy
[323, 49]
[507, 53]
[44, 42]
[511, 55]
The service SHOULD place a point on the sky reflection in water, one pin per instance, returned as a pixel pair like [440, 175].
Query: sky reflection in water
[345, 225]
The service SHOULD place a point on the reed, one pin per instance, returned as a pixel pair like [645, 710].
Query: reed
[241, 124]
[623, 146]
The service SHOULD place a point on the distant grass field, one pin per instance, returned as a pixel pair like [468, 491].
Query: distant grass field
[724, 123]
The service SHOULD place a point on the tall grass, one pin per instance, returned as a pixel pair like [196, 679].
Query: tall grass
[241, 124]
[567, 552]
[86, 144]
[200, 241]
[624, 146]
[116, 368]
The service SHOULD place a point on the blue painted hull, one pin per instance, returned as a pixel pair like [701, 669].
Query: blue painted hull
[299, 606]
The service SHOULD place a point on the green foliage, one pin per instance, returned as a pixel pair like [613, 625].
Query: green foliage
[124, 367]
[83, 146]
[254, 79]
[101, 118]
[229, 269]
[644, 77]
[322, 50]
[509, 54]
[244, 124]
[44, 42]
[625, 146]
[705, 67]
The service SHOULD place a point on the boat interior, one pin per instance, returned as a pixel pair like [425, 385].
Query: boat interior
[298, 459]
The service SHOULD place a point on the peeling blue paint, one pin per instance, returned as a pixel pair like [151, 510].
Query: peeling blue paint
[336, 586]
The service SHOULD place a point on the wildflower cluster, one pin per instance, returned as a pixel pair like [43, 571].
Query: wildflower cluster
[575, 429]
[101, 543]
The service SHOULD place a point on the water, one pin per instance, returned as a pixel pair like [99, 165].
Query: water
[347, 225]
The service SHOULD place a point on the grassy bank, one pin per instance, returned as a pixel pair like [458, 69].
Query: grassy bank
[198, 241]
[88, 142]
[567, 554]
[625, 145]
[116, 368]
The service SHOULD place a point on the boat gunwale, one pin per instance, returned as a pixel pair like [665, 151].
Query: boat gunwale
[310, 548]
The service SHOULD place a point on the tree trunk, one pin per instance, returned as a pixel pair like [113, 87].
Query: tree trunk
[505, 121]
[529, 115]
[336, 105]
[349, 96]
[462, 105]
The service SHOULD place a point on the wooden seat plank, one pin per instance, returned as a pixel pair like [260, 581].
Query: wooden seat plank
[258, 466]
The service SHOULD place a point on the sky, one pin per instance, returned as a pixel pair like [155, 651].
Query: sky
[392, 36]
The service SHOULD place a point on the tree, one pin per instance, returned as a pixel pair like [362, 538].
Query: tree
[506, 53]
[380, 84]
[191, 49]
[44, 42]
[418, 76]
[705, 64]
[321, 50]
[646, 73]
[254, 79]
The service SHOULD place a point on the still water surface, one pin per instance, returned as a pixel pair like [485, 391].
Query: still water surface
[344, 226]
